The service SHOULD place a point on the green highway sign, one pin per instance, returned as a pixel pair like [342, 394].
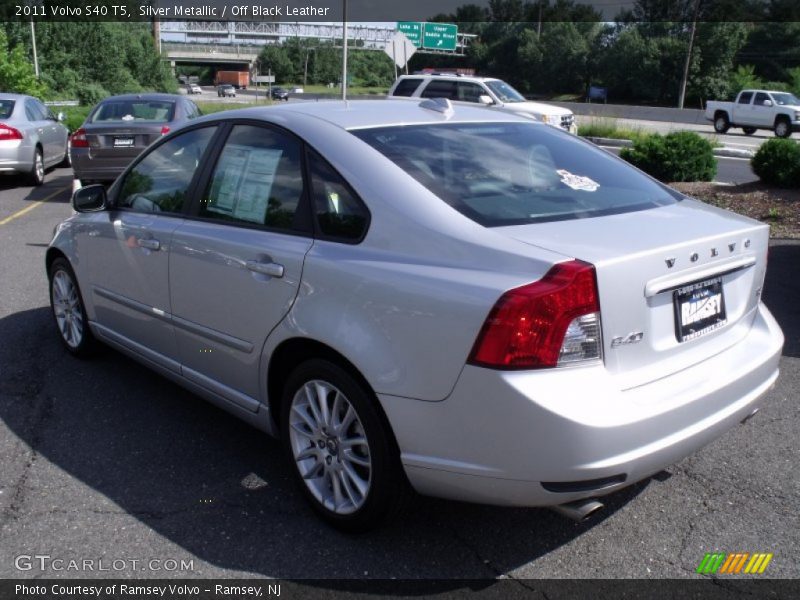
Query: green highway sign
[439, 36]
[412, 30]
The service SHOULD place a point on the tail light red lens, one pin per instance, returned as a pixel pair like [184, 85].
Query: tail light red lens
[165, 130]
[526, 329]
[78, 139]
[9, 133]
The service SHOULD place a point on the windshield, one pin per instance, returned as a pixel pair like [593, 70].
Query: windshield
[505, 92]
[6, 108]
[155, 111]
[516, 173]
[785, 99]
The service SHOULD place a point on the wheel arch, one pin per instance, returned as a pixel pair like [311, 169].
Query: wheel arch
[51, 255]
[722, 113]
[294, 351]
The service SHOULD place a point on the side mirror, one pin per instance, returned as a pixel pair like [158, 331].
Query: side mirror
[485, 100]
[60, 117]
[767, 103]
[91, 198]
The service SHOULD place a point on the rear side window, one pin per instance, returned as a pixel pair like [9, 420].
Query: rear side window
[744, 97]
[6, 108]
[440, 89]
[154, 111]
[258, 179]
[516, 173]
[339, 213]
[406, 87]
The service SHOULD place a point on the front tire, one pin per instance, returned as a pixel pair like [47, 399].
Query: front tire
[783, 129]
[342, 455]
[66, 304]
[721, 123]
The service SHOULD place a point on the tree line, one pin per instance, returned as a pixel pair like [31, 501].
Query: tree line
[562, 47]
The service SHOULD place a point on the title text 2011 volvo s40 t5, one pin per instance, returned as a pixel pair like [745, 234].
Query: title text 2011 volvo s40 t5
[484, 307]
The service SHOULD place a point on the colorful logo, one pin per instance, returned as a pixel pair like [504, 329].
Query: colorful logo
[734, 563]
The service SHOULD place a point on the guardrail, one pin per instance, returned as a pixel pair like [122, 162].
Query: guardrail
[62, 103]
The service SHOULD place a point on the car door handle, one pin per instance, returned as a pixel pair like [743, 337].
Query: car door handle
[272, 269]
[149, 243]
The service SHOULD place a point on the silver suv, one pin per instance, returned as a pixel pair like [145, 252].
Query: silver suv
[494, 93]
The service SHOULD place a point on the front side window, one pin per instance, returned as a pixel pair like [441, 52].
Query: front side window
[516, 173]
[258, 179]
[160, 181]
[470, 92]
[338, 211]
[761, 97]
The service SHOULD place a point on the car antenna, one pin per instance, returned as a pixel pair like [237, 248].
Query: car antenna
[442, 105]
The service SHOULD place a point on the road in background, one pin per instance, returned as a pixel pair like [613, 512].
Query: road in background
[105, 460]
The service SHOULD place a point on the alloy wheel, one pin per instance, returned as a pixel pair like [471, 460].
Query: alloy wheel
[67, 309]
[330, 447]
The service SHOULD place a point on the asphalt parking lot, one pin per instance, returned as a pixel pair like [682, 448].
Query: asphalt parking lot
[103, 459]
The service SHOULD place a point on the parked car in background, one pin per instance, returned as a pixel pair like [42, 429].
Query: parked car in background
[193, 88]
[486, 307]
[226, 90]
[32, 139]
[120, 127]
[493, 93]
[757, 109]
[279, 93]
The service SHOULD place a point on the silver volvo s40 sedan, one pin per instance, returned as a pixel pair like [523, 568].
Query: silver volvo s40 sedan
[483, 307]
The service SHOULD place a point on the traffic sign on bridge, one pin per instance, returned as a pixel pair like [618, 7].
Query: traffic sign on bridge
[439, 36]
[430, 36]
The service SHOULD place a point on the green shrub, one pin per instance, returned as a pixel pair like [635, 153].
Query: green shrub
[75, 115]
[678, 156]
[777, 162]
[91, 93]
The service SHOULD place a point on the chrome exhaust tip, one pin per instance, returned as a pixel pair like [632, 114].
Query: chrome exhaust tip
[750, 416]
[578, 511]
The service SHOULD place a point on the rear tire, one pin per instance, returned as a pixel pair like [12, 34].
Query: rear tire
[36, 175]
[749, 130]
[783, 128]
[721, 123]
[341, 454]
[69, 314]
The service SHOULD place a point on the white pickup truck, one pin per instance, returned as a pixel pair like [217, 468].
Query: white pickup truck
[757, 109]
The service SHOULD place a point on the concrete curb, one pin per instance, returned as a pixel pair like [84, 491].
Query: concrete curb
[723, 151]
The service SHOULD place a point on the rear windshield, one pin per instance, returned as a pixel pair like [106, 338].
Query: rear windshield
[6, 108]
[516, 173]
[154, 111]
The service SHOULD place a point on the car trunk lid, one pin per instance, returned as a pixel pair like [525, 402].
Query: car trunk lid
[646, 262]
[118, 139]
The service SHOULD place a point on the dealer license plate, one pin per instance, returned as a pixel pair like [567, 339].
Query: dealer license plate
[699, 308]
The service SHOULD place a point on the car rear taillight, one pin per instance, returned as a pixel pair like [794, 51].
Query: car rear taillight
[165, 130]
[9, 133]
[552, 322]
[78, 139]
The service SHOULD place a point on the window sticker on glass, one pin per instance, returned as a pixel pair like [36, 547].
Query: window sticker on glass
[243, 182]
[577, 182]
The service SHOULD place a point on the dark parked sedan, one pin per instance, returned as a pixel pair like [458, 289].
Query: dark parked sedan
[279, 93]
[120, 127]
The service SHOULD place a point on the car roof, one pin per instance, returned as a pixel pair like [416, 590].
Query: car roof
[456, 76]
[360, 114]
[5, 96]
[154, 96]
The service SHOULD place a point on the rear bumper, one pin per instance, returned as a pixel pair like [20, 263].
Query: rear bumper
[87, 167]
[15, 156]
[550, 437]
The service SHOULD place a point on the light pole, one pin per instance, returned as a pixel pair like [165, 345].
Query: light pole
[344, 49]
[33, 44]
[685, 78]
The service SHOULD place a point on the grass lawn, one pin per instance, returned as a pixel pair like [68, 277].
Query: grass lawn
[607, 128]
